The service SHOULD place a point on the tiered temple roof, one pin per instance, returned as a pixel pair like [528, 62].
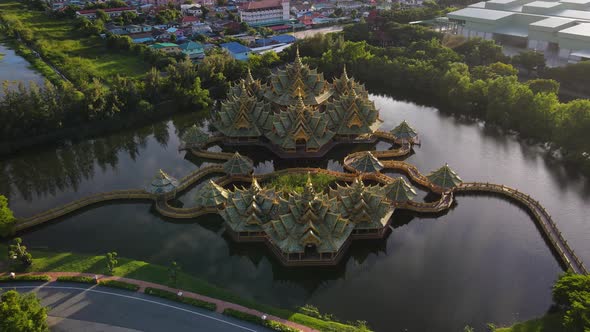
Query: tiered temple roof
[162, 184]
[297, 80]
[399, 191]
[363, 205]
[445, 177]
[308, 219]
[404, 131]
[300, 124]
[243, 115]
[298, 108]
[248, 209]
[351, 114]
[194, 137]
[344, 86]
[365, 162]
[211, 195]
[238, 165]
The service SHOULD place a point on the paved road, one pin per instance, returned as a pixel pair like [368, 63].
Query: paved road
[312, 32]
[79, 307]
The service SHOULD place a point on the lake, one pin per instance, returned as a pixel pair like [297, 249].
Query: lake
[483, 261]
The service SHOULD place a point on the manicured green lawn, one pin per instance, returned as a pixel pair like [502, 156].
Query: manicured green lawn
[45, 261]
[547, 323]
[72, 51]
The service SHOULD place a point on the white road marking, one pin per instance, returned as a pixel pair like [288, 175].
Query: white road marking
[136, 298]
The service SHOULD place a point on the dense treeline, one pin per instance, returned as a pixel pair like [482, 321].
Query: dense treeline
[470, 79]
[38, 110]
[571, 293]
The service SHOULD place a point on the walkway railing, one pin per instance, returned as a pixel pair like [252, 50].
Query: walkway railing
[541, 217]
[81, 203]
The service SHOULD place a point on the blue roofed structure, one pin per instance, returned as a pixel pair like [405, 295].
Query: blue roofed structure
[237, 50]
[287, 39]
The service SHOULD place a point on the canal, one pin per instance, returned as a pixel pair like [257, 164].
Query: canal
[14, 69]
[483, 261]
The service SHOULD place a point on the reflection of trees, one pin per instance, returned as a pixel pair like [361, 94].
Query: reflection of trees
[47, 171]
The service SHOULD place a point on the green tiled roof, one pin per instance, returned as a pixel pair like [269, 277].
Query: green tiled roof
[296, 80]
[363, 205]
[404, 131]
[238, 165]
[194, 136]
[345, 85]
[366, 163]
[211, 195]
[242, 115]
[299, 123]
[162, 184]
[444, 177]
[352, 114]
[248, 209]
[163, 45]
[306, 219]
[399, 191]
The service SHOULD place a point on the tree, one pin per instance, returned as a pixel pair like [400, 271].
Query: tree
[530, 61]
[101, 15]
[571, 293]
[204, 12]
[7, 219]
[543, 85]
[338, 12]
[111, 261]
[18, 253]
[22, 313]
[173, 272]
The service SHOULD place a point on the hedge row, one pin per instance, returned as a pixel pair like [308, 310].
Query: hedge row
[119, 284]
[271, 324]
[25, 278]
[81, 279]
[186, 300]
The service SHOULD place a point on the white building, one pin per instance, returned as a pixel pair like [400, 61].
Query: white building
[264, 12]
[561, 27]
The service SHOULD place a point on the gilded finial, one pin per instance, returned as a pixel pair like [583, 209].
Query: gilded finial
[249, 77]
[344, 73]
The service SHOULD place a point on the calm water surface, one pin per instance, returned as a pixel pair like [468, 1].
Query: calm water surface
[14, 68]
[483, 261]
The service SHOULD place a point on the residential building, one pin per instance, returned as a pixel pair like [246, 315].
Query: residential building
[237, 50]
[111, 12]
[192, 9]
[192, 49]
[264, 12]
[187, 21]
[559, 28]
[166, 47]
[201, 28]
[142, 38]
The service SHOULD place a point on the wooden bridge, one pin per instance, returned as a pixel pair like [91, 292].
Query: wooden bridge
[541, 217]
[133, 194]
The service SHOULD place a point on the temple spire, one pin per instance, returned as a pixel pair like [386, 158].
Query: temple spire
[344, 73]
[298, 62]
[249, 77]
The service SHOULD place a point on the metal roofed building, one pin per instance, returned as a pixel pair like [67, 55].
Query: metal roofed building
[560, 27]
[237, 50]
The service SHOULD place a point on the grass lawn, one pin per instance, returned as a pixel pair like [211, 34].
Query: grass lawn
[45, 261]
[72, 51]
[547, 323]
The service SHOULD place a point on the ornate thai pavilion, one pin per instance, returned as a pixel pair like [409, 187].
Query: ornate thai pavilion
[298, 112]
[444, 178]
[307, 226]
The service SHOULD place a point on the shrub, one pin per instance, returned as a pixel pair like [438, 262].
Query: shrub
[271, 324]
[25, 278]
[119, 284]
[186, 300]
[80, 279]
